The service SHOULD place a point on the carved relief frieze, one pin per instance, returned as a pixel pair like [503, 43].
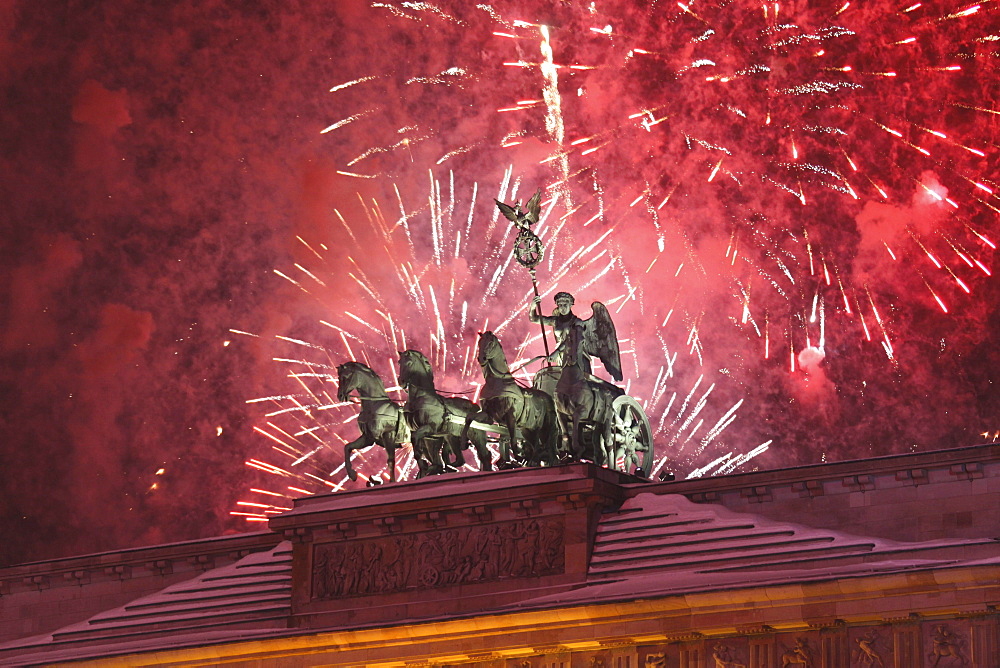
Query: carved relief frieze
[871, 648]
[460, 555]
[801, 652]
[656, 660]
[729, 654]
[908, 643]
[947, 645]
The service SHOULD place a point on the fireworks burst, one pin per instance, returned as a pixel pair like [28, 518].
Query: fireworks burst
[435, 297]
[787, 110]
[814, 176]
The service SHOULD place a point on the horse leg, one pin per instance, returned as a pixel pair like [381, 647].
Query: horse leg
[469, 417]
[553, 437]
[483, 452]
[454, 445]
[530, 448]
[390, 456]
[507, 446]
[431, 449]
[564, 445]
[421, 452]
[485, 456]
[360, 443]
[575, 436]
[436, 448]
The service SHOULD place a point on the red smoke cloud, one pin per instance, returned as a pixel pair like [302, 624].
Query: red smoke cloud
[160, 162]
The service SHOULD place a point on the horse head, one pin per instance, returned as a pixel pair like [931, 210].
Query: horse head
[415, 369]
[346, 380]
[357, 376]
[489, 344]
[490, 355]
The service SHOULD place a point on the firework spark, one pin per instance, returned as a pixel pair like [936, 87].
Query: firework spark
[441, 296]
[755, 148]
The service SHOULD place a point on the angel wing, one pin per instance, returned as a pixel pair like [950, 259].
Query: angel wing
[509, 212]
[601, 341]
[534, 207]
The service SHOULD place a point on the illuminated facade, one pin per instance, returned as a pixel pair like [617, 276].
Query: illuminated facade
[892, 561]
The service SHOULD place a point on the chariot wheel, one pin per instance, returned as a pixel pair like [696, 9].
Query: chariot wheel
[633, 438]
[429, 577]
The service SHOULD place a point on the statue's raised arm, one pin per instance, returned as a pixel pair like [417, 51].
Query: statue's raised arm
[600, 340]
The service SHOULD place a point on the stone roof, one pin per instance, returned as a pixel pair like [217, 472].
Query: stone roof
[666, 545]
[233, 601]
[653, 533]
[654, 544]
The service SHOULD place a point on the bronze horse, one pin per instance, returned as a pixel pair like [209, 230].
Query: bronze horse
[437, 422]
[381, 419]
[522, 410]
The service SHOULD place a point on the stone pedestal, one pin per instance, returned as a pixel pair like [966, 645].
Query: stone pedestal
[444, 547]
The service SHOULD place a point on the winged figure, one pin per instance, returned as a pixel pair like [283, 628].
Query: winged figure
[598, 337]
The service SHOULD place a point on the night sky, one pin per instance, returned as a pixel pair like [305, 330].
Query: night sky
[791, 211]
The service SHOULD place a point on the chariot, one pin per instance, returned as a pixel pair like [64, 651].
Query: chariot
[566, 414]
[595, 419]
